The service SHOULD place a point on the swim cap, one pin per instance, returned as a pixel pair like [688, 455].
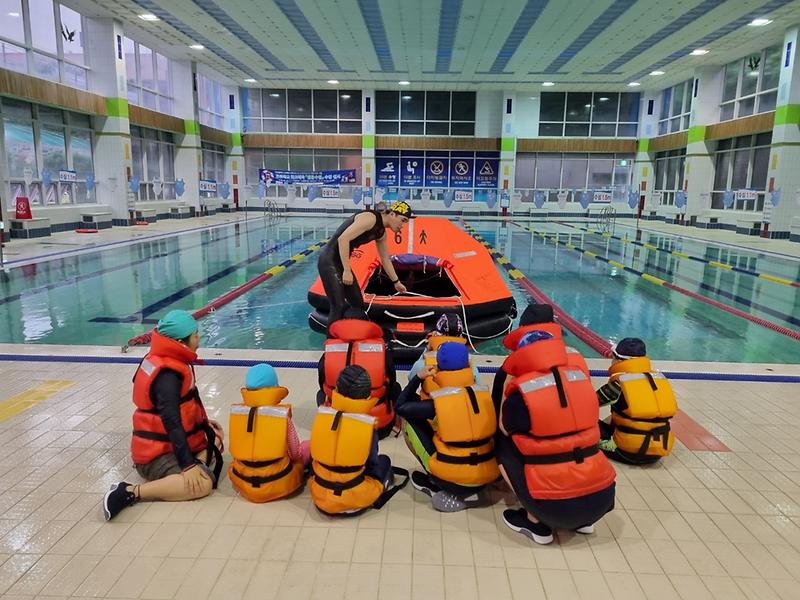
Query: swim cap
[354, 382]
[533, 336]
[629, 348]
[449, 324]
[177, 324]
[452, 356]
[402, 208]
[260, 376]
[536, 313]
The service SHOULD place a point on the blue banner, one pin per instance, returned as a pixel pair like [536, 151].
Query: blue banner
[436, 172]
[413, 166]
[486, 170]
[462, 172]
[324, 177]
[386, 168]
[727, 198]
[680, 198]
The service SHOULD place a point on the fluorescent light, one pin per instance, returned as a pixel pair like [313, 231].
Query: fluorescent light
[345, 96]
[148, 17]
[634, 84]
[13, 14]
[587, 106]
[405, 98]
[196, 46]
[333, 81]
[274, 95]
[699, 52]
[250, 80]
[404, 82]
[760, 22]
[603, 99]
[548, 83]
[656, 72]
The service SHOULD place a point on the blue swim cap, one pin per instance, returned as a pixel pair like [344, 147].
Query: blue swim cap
[533, 336]
[260, 376]
[452, 356]
[177, 324]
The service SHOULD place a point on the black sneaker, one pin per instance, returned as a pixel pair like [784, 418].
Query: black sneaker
[517, 519]
[422, 482]
[117, 498]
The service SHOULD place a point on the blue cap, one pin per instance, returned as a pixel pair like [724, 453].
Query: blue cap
[452, 356]
[177, 324]
[260, 376]
[629, 348]
[533, 336]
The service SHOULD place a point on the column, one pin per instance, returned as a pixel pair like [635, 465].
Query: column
[644, 165]
[368, 138]
[188, 152]
[784, 176]
[112, 151]
[698, 176]
[508, 144]
[234, 162]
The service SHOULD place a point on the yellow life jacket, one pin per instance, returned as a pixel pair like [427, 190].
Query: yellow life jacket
[642, 429]
[437, 340]
[340, 446]
[261, 470]
[443, 379]
[466, 424]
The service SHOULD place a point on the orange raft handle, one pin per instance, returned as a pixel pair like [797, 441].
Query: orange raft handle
[86, 231]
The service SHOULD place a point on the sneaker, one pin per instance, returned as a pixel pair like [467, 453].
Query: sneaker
[117, 498]
[447, 502]
[586, 529]
[422, 482]
[517, 520]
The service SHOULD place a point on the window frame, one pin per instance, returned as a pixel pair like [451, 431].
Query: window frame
[758, 96]
[590, 122]
[728, 155]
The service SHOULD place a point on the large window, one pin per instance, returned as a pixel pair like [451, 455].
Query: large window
[669, 171]
[676, 105]
[213, 164]
[209, 102]
[741, 164]
[302, 111]
[751, 84]
[299, 159]
[149, 77]
[47, 145]
[572, 171]
[153, 158]
[585, 114]
[425, 113]
[44, 39]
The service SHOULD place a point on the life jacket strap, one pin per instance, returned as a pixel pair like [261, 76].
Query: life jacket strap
[257, 481]
[474, 458]
[577, 455]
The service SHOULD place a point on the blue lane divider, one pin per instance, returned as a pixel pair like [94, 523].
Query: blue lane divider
[309, 364]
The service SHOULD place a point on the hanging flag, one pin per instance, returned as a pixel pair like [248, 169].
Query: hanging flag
[538, 198]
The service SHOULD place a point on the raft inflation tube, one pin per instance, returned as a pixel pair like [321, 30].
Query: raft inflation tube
[445, 270]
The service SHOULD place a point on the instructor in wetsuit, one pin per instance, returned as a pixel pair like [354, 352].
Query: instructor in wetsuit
[334, 259]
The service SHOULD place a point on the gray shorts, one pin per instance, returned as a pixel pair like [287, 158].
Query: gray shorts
[167, 464]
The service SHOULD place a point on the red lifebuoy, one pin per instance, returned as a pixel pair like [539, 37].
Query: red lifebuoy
[86, 231]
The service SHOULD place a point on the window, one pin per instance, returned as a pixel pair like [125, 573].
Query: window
[153, 158]
[669, 171]
[149, 77]
[44, 39]
[741, 163]
[40, 142]
[750, 85]
[213, 165]
[585, 114]
[209, 102]
[572, 171]
[298, 159]
[676, 106]
[318, 111]
[425, 113]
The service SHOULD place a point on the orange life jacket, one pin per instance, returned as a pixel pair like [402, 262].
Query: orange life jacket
[516, 362]
[465, 425]
[150, 440]
[560, 450]
[441, 379]
[341, 440]
[642, 428]
[262, 470]
[357, 342]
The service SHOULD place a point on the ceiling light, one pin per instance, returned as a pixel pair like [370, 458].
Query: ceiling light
[274, 95]
[760, 22]
[405, 98]
[603, 99]
[404, 82]
[656, 72]
[250, 80]
[548, 83]
[196, 46]
[699, 52]
[634, 84]
[333, 81]
[345, 96]
[148, 17]
[13, 14]
[587, 106]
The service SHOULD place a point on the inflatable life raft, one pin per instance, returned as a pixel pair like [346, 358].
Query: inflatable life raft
[445, 270]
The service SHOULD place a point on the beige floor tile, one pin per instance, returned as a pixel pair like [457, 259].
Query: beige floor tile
[71, 575]
[558, 585]
[656, 587]
[265, 582]
[723, 588]
[395, 581]
[591, 586]
[234, 579]
[368, 546]
[397, 546]
[339, 545]
[297, 581]
[427, 581]
[460, 582]
[39, 574]
[330, 581]
[200, 579]
[363, 581]
[525, 584]
[456, 548]
[168, 578]
[136, 577]
[104, 576]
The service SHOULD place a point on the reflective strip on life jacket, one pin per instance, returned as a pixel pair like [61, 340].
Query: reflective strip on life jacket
[543, 381]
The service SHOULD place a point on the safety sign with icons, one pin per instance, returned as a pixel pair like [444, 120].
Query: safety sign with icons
[436, 174]
[461, 171]
[411, 174]
[386, 168]
[486, 172]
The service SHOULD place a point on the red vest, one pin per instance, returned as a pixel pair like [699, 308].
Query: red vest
[560, 450]
[357, 342]
[574, 358]
[150, 439]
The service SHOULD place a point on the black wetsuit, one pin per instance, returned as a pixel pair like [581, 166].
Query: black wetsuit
[331, 269]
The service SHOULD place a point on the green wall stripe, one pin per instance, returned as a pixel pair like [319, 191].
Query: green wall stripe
[644, 144]
[367, 141]
[788, 114]
[696, 134]
[508, 144]
[117, 107]
[780, 144]
[236, 138]
[191, 127]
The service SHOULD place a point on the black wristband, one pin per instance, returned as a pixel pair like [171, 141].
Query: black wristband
[393, 281]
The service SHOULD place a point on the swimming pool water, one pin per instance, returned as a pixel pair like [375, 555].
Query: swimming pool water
[110, 296]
